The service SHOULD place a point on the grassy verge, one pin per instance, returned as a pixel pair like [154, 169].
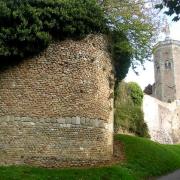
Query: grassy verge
[144, 158]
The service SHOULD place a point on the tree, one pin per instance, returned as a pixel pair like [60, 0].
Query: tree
[137, 20]
[173, 8]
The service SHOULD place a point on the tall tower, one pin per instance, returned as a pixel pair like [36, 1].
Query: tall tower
[167, 70]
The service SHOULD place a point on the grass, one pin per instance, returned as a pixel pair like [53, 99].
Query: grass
[144, 159]
[147, 159]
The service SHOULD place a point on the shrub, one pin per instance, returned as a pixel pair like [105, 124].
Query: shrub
[121, 51]
[27, 26]
[136, 93]
[128, 112]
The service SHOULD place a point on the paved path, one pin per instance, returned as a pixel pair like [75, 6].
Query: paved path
[173, 176]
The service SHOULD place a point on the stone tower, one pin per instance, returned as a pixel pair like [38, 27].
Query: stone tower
[167, 70]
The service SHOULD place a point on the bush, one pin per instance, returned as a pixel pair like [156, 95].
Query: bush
[136, 93]
[121, 51]
[128, 112]
[27, 26]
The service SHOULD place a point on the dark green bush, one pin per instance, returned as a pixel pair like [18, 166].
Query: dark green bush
[27, 26]
[121, 51]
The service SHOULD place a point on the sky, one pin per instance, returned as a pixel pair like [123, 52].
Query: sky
[147, 76]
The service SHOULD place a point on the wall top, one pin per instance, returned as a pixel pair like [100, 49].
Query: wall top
[166, 42]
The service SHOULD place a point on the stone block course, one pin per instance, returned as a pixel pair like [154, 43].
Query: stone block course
[52, 141]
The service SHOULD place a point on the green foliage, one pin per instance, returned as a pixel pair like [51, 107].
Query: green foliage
[27, 26]
[137, 22]
[128, 112]
[173, 8]
[136, 93]
[121, 51]
[144, 159]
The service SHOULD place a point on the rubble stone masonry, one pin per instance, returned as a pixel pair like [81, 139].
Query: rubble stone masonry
[56, 109]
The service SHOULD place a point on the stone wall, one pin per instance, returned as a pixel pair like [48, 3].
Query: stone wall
[176, 56]
[162, 119]
[56, 109]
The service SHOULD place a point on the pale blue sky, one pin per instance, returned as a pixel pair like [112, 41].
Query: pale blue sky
[147, 76]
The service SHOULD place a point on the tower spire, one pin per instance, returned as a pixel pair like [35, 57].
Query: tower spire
[166, 29]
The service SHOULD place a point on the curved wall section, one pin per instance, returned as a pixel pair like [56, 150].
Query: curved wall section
[57, 109]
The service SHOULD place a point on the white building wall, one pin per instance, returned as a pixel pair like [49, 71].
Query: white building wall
[162, 120]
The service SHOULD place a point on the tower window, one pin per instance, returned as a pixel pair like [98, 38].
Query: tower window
[168, 65]
[157, 67]
[169, 101]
